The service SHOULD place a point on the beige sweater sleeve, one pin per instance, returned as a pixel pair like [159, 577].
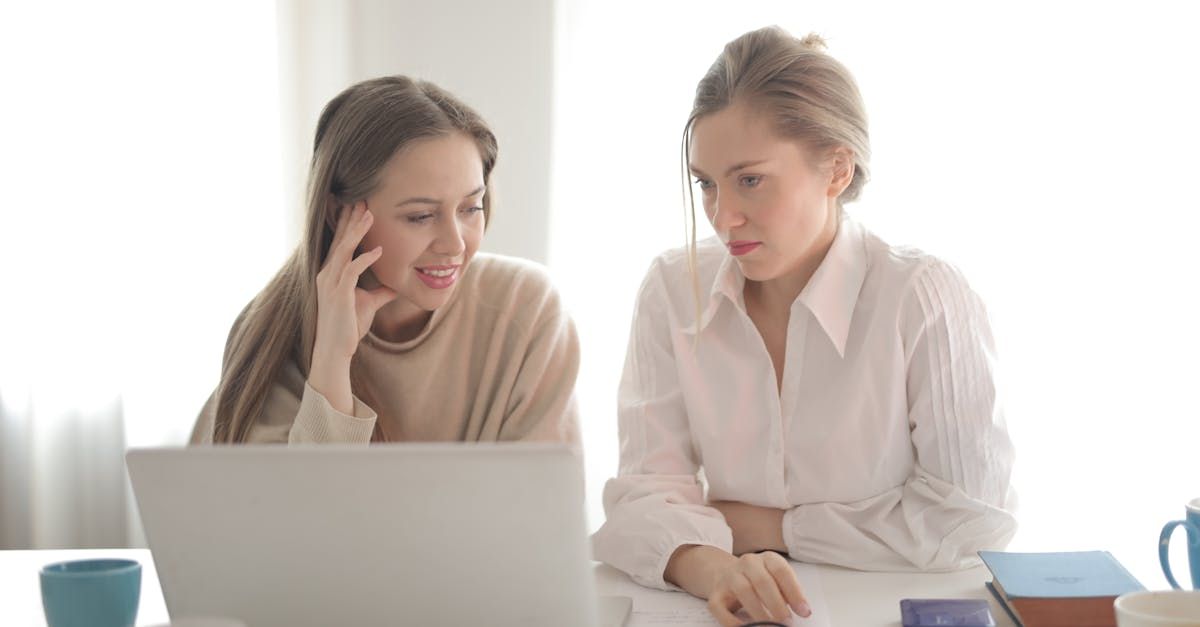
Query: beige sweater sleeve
[542, 405]
[294, 413]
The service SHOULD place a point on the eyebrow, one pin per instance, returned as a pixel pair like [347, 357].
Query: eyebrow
[424, 200]
[734, 168]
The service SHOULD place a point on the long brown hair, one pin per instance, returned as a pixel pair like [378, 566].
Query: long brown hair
[808, 95]
[357, 133]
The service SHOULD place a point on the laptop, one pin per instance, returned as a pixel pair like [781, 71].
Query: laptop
[412, 534]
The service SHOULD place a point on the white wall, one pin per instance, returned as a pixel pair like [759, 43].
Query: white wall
[496, 56]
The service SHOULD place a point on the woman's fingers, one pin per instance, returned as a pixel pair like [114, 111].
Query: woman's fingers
[330, 269]
[379, 297]
[759, 586]
[747, 595]
[370, 300]
[355, 268]
[722, 606]
[788, 584]
[767, 589]
[339, 231]
[342, 249]
[343, 217]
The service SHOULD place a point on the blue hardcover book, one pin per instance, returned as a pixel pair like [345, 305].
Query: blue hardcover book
[1070, 589]
[938, 612]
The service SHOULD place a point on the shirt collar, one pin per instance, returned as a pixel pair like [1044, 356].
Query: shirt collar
[833, 290]
[727, 285]
[830, 294]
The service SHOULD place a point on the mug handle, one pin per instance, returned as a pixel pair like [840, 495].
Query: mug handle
[1164, 541]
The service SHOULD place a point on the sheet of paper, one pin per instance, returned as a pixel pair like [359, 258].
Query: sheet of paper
[656, 607]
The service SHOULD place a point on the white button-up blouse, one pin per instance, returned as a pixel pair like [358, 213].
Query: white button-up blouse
[886, 445]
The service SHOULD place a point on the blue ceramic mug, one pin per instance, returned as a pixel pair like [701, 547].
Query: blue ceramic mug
[1192, 524]
[91, 593]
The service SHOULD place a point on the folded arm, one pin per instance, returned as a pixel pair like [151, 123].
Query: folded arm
[958, 498]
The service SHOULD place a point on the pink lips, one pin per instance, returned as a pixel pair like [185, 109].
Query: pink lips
[737, 248]
[438, 282]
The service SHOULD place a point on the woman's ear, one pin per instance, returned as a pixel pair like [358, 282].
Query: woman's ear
[841, 169]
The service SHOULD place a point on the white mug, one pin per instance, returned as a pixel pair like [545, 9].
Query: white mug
[1158, 608]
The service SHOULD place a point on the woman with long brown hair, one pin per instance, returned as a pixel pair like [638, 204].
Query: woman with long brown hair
[386, 323]
[796, 385]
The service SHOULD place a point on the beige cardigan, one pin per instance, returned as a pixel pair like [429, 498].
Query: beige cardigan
[496, 363]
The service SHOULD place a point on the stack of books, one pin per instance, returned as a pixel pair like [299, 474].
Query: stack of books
[1074, 589]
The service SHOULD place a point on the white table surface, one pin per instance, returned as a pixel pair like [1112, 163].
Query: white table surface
[855, 599]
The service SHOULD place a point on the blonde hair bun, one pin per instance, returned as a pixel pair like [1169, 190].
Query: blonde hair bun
[814, 42]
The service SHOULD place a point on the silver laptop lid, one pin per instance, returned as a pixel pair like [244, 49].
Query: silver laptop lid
[412, 534]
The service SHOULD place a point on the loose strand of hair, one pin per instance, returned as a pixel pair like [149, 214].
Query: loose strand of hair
[689, 225]
[258, 347]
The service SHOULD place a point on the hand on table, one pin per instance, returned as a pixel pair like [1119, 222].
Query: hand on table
[761, 586]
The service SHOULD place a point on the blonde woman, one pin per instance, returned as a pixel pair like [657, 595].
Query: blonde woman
[835, 393]
[386, 324]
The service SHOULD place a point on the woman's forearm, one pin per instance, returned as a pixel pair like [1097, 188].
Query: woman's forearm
[754, 528]
[695, 568]
[333, 382]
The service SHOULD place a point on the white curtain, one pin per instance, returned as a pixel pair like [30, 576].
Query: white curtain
[62, 465]
[1047, 149]
[142, 208]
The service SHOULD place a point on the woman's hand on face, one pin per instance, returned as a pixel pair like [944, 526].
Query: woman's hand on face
[344, 310]
[762, 586]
